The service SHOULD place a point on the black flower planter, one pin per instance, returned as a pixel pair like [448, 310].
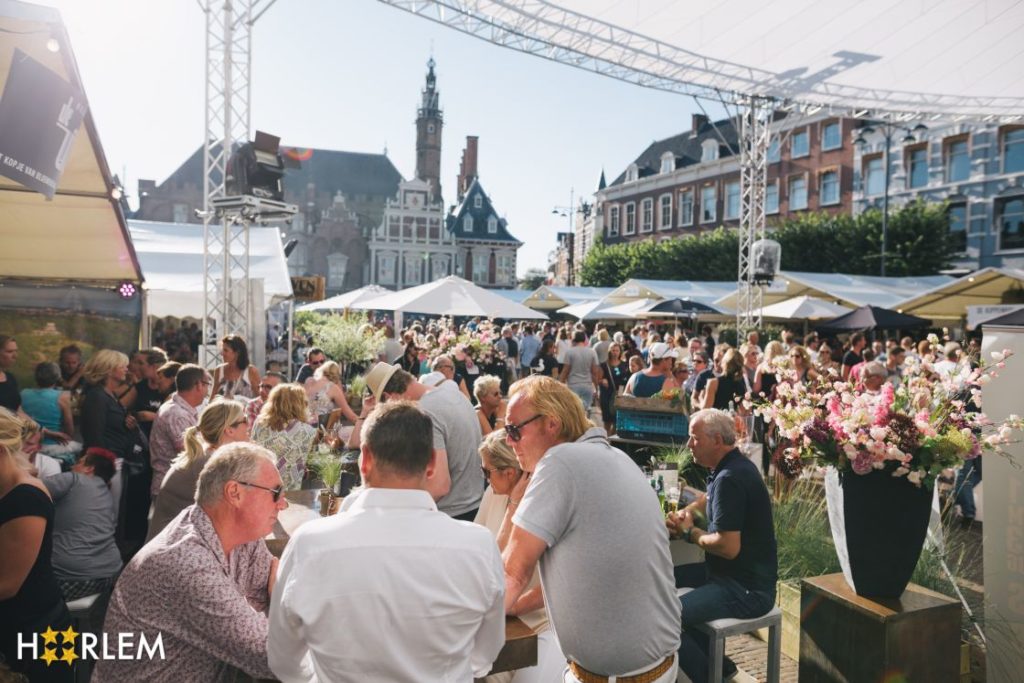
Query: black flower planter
[879, 523]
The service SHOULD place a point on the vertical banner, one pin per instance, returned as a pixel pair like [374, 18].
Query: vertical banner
[40, 113]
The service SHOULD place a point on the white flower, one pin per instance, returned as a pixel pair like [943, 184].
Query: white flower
[879, 433]
[984, 379]
[997, 356]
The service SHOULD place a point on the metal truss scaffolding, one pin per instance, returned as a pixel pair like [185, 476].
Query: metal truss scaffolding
[753, 141]
[225, 245]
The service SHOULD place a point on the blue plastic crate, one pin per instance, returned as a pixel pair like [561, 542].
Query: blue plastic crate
[650, 426]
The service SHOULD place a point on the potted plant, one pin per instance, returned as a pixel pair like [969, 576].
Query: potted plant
[883, 451]
[328, 467]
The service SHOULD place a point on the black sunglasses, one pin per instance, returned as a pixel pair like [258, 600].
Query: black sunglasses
[515, 431]
[487, 472]
[276, 493]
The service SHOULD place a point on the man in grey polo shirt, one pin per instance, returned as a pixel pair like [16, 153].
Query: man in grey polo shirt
[596, 529]
[457, 485]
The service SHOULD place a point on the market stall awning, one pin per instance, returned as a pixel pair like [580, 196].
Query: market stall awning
[873, 318]
[346, 300]
[949, 300]
[80, 235]
[451, 296]
[590, 310]
[552, 297]
[803, 308]
[172, 261]
[704, 292]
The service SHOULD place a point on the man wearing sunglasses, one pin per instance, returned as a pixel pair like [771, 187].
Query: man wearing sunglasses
[395, 562]
[203, 585]
[315, 357]
[456, 484]
[596, 529]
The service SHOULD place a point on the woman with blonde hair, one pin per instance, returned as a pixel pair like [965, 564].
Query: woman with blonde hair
[489, 403]
[222, 422]
[326, 393]
[283, 427]
[728, 389]
[501, 499]
[803, 370]
[30, 598]
[104, 421]
[765, 378]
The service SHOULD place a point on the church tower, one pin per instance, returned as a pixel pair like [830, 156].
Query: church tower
[429, 120]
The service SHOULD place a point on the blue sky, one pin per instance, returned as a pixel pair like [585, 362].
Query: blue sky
[347, 75]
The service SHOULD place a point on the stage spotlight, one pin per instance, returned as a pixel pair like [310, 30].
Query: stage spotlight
[127, 289]
[256, 168]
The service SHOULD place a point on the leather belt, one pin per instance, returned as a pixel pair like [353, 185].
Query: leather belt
[648, 676]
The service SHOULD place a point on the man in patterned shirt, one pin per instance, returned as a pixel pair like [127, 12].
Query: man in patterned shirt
[203, 587]
[167, 439]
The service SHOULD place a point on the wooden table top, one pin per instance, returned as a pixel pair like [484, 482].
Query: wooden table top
[520, 649]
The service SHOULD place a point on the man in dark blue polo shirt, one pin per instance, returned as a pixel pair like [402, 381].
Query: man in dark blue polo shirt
[739, 543]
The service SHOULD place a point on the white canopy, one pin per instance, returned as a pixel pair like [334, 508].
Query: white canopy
[804, 308]
[553, 297]
[80, 235]
[949, 300]
[945, 58]
[451, 296]
[346, 300]
[595, 309]
[708, 293]
[171, 255]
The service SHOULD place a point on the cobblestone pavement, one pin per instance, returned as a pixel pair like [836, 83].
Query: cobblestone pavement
[751, 656]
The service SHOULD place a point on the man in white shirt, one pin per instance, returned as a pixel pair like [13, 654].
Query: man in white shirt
[389, 589]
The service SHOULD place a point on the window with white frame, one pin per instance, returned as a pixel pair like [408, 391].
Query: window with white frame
[492, 225]
[467, 223]
[831, 136]
[668, 162]
[686, 207]
[732, 200]
[917, 167]
[1010, 222]
[799, 144]
[829, 189]
[1013, 150]
[613, 220]
[630, 227]
[797, 193]
[708, 204]
[506, 274]
[481, 266]
[708, 150]
[874, 176]
[665, 212]
[631, 173]
[958, 161]
[774, 150]
[412, 269]
[647, 215]
[771, 197]
[478, 202]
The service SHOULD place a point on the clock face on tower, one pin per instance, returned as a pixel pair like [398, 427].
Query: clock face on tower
[430, 128]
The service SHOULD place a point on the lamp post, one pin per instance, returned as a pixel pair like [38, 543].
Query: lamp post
[888, 129]
[569, 212]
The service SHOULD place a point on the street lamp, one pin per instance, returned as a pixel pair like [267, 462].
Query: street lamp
[887, 129]
[568, 212]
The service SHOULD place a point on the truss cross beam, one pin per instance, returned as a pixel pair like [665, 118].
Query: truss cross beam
[753, 141]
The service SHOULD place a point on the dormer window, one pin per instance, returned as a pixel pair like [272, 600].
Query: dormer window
[709, 150]
[492, 225]
[467, 223]
[668, 162]
[631, 173]
[478, 202]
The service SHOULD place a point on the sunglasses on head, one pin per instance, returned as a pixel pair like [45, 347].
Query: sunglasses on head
[275, 492]
[515, 431]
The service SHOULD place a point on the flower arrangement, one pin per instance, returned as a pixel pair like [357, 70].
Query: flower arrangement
[477, 344]
[928, 423]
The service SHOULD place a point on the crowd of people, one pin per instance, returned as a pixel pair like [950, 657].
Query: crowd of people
[489, 488]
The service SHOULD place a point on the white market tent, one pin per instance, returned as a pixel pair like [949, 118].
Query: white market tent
[451, 296]
[517, 295]
[171, 255]
[804, 308]
[346, 300]
[554, 297]
[708, 293]
[985, 287]
[80, 236]
[594, 309]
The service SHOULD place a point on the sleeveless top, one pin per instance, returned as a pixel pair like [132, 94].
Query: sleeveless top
[233, 388]
[41, 405]
[322, 403]
[39, 593]
[729, 389]
[645, 386]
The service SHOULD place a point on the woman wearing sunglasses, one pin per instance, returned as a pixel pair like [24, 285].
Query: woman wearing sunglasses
[507, 486]
[222, 422]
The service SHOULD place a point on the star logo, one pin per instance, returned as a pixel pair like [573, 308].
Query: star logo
[49, 636]
[69, 655]
[49, 655]
[69, 636]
